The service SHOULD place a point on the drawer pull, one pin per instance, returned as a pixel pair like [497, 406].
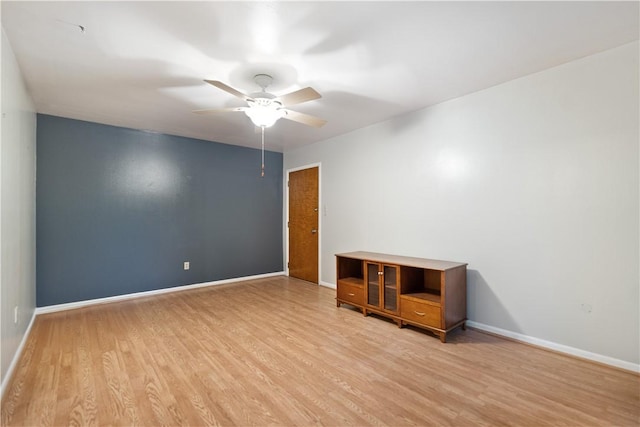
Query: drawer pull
[418, 313]
[351, 295]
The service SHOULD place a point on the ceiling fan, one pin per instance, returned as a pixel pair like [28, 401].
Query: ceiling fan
[264, 108]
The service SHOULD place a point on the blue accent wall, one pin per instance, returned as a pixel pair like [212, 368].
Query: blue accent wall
[119, 210]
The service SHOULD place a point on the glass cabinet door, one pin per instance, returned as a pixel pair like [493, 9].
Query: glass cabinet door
[373, 284]
[390, 288]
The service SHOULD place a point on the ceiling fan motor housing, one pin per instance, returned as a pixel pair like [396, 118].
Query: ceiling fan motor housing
[263, 95]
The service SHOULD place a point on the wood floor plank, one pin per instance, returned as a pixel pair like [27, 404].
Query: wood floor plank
[278, 351]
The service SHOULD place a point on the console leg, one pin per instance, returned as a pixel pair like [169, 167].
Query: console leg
[464, 326]
[443, 337]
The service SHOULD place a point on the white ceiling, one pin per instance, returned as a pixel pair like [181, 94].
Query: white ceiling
[142, 64]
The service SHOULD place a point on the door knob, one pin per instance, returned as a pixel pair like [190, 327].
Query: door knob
[314, 231]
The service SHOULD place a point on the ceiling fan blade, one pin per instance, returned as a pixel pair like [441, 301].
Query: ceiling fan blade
[228, 89]
[303, 118]
[299, 96]
[219, 110]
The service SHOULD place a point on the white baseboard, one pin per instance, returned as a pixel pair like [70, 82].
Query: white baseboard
[327, 284]
[79, 304]
[561, 348]
[16, 357]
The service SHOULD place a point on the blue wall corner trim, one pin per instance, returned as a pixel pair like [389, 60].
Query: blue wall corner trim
[119, 210]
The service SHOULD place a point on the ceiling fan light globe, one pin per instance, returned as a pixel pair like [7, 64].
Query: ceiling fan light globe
[263, 116]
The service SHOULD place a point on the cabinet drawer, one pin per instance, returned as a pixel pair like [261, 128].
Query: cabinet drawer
[351, 293]
[420, 312]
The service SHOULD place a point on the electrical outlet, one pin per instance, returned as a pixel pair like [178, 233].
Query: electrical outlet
[15, 314]
[186, 265]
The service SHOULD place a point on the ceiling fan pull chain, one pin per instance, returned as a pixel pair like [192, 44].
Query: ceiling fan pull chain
[262, 173]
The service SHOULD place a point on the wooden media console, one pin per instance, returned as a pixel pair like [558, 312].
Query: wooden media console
[427, 293]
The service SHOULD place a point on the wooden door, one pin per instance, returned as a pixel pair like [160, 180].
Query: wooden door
[303, 224]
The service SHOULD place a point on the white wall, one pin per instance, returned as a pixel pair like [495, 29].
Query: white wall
[533, 182]
[17, 209]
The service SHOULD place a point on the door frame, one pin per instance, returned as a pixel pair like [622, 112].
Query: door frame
[286, 216]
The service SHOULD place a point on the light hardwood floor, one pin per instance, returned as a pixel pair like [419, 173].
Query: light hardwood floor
[278, 351]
